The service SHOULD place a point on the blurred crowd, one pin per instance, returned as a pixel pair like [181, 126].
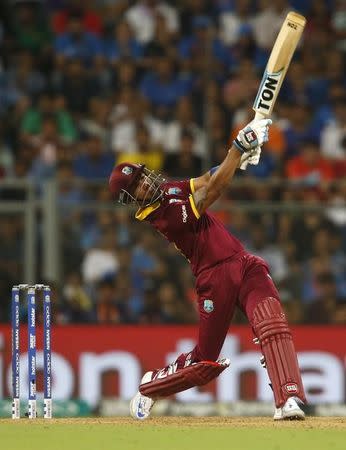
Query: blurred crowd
[87, 84]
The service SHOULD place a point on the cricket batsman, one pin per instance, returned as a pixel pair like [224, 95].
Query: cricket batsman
[227, 276]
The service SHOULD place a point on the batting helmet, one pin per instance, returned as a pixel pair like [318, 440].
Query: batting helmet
[124, 180]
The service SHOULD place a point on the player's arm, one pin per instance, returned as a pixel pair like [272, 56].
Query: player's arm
[250, 137]
[245, 159]
[203, 180]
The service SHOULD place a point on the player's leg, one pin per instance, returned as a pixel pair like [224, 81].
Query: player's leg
[170, 380]
[217, 300]
[259, 299]
[218, 293]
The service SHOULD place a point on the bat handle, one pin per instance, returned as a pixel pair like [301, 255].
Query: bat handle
[259, 116]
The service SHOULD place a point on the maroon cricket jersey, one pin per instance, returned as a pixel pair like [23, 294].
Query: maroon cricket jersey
[202, 239]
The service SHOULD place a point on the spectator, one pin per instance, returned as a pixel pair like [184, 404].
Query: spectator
[204, 52]
[30, 28]
[31, 124]
[73, 85]
[112, 10]
[239, 225]
[217, 129]
[6, 156]
[97, 121]
[94, 163]
[162, 43]
[171, 309]
[297, 128]
[339, 24]
[128, 116]
[91, 21]
[46, 150]
[69, 194]
[189, 10]
[123, 295]
[10, 94]
[162, 87]
[78, 307]
[243, 86]
[146, 152]
[274, 256]
[296, 89]
[303, 231]
[319, 17]
[107, 311]
[293, 311]
[11, 250]
[141, 17]
[126, 75]
[309, 167]
[144, 268]
[232, 22]
[101, 261]
[122, 45]
[333, 136]
[336, 211]
[184, 164]
[150, 310]
[48, 141]
[76, 43]
[323, 309]
[184, 123]
[28, 80]
[245, 47]
[267, 22]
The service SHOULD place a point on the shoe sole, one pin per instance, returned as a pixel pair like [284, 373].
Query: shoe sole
[293, 416]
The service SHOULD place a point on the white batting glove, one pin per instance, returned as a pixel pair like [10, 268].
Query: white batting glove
[253, 135]
[252, 158]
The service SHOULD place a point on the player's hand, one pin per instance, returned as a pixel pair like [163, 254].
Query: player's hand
[253, 135]
[251, 157]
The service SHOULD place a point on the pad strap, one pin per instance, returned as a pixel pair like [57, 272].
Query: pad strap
[196, 374]
[271, 328]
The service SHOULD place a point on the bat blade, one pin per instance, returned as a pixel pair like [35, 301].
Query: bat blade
[279, 60]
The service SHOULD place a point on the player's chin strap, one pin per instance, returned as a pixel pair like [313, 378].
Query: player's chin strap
[280, 359]
[166, 383]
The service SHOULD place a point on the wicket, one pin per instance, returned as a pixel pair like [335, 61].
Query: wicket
[15, 320]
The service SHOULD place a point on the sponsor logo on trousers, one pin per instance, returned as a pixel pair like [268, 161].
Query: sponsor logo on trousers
[291, 387]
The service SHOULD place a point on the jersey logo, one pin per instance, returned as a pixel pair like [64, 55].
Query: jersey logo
[184, 213]
[174, 191]
[127, 170]
[208, 306]
[175, 200]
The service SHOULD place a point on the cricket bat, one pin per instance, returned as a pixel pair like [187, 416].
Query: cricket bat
[279, 60]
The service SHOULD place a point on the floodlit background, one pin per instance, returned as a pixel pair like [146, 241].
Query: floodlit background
[87, 84]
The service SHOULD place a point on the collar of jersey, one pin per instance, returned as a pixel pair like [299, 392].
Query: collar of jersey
[143, 213]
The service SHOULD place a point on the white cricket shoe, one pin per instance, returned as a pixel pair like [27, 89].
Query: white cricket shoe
[140, 405]
[290, 411]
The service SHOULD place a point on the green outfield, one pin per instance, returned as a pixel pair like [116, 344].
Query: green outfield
[183, 433]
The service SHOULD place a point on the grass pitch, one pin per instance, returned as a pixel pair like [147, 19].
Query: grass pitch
[178, 433]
